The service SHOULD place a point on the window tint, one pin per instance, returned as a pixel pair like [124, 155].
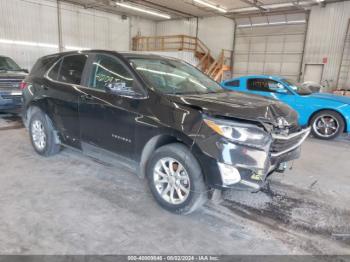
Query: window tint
[72, 69]
[234, 83]
[264, 85]
[53, 74]
[109, 74]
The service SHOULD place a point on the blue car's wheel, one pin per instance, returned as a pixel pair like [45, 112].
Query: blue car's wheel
[327, 124]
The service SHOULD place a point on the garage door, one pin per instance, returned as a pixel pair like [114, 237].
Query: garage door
[270, 45]
[344, 73]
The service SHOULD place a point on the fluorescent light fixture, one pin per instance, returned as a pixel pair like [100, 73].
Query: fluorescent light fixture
[260, 24]
[143, 10]
[319, 1]
[213, 6]
[245, 9]
[296, 22]
[277, 23]
[27, 43]
[277, 5]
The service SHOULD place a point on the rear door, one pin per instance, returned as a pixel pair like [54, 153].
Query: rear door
[109, 106]
[61, 88]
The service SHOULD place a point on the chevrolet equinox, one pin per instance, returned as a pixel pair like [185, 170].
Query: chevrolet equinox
[174, 124]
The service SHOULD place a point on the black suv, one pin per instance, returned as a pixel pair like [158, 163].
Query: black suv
[174, 124]
[11, 76]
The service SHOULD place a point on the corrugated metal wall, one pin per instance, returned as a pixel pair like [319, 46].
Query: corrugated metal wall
[344, 72]
[216, 32]
[187, 56]
[273, 50]
[325, 38]
[33, 25]
[177, 27]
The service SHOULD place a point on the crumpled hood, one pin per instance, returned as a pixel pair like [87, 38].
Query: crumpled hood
[331, 97]
[240, 106]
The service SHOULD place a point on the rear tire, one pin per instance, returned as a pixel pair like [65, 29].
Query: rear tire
[175, 179]
[42, 135]
[327, 125]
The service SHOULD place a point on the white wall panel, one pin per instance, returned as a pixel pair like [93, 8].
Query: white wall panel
[217, 33]
[177, 27]
[94, 29]
[32, 22]
[183, 55]
[326, 36]
[35, 22]
[274, 49]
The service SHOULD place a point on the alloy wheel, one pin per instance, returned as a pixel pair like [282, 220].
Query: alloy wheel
[171, 180]
[38, 135]
[326, 126]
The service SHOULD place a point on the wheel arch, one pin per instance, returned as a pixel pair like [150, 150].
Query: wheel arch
[329, 109]
[39, 107]
[156, 142]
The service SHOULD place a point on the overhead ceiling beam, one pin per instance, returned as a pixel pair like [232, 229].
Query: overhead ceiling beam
[254, 3]
[257, 13]
[97, 3]
[162, 7]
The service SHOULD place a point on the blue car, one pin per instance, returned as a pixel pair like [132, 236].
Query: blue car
[327, 114]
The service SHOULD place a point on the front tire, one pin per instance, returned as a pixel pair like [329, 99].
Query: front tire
[175, 179]
[327, 125]
[42, 135]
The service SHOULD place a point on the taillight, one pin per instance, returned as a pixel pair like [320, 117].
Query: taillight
[23, 85]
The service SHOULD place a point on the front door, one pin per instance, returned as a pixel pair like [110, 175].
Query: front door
[108, 106]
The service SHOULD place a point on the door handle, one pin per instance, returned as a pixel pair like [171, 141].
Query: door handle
[86, 97]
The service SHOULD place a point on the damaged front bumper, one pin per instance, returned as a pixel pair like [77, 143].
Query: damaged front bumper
[247, 167]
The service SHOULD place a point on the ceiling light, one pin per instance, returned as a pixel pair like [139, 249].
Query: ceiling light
[245, 9]
[278, 5]
[143, 10]
[211, 5]
[27, 43]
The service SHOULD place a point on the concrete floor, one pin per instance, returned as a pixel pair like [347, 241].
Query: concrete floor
[72, 204]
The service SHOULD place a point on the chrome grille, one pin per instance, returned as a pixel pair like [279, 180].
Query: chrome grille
[284, 143]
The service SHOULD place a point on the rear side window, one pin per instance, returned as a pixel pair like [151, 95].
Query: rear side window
[43, 64]
[71, 69]
[233, 83]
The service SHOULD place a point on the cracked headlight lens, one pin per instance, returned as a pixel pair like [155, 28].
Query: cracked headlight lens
[243, 133]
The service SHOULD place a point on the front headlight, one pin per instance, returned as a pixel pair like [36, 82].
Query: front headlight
[247, 134]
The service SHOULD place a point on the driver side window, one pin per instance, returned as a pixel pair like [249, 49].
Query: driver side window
[109, 74]
[265, 85]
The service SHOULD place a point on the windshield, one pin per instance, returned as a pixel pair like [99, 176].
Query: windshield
[8, 64]
[174, 77]
[297, 87]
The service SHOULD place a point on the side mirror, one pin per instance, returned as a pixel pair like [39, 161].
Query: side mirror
[281, 91]
[25, 71]
[120, 88]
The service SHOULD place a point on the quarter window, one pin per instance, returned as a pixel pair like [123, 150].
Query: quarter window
[72, 68]
[233, 83]
[109, 74]
[53, 74]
